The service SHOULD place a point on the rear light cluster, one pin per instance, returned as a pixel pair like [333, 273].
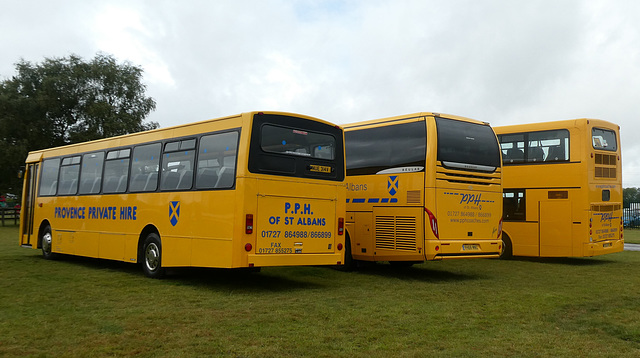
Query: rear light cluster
[248, 229]
[499, 228]
[248, 224]
[340, 226]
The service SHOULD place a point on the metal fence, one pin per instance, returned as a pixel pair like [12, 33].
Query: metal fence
[9, 216]
[631, 216]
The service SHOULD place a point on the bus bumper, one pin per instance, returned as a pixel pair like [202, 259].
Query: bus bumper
[463, 249]
[603, 247]
[295, 259]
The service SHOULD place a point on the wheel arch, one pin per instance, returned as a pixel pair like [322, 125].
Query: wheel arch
[150, 228]
[507, 246]
[43, 224]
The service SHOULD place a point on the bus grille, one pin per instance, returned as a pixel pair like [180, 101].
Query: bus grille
[605, 207]
[606, 159]
[467, 177]
[414, 197]
[396, 233]
[602, 172]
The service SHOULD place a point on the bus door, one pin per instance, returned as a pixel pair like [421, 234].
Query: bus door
[555, 228]
[31, 172]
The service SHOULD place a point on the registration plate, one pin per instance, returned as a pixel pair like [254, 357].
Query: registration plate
[608, 244]
[470, 247]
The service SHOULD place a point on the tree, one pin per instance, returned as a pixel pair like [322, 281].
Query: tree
[67, 100]
[630, 195]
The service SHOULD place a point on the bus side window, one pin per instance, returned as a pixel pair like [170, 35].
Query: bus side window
[91, 173]
[116, 171]
[146, 160]
[556, 153]
[69, 173]
[49, 180]
[514, 205]
[177, 165]
[217, 161]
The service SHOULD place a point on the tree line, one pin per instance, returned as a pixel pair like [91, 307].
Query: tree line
[67, 100]
[630, 195]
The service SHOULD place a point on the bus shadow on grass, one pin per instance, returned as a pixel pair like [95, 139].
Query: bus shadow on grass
[241, 280]
[246, 280]
[567, 261]
[414, 273]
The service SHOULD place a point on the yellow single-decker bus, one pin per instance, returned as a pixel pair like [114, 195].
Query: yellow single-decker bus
[424, 186]
[250, 190]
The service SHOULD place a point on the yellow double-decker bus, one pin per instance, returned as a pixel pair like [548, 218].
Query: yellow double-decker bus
[562, 188]
[423, 186]
[250, 190]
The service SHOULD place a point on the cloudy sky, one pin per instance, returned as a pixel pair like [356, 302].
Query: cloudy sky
[500, 61]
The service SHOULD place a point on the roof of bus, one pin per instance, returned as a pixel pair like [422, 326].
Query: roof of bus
[549, 125]
[158, 134]
[409, 116]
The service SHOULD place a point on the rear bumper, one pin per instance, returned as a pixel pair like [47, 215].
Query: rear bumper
[463, 249]
[603, 247]
[264, 260]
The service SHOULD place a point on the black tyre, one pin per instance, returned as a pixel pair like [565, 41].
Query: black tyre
[507, 247]
[46, 240]
[152, 256]
[349, 263]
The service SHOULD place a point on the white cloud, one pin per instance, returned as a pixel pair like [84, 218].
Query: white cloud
[500, 61]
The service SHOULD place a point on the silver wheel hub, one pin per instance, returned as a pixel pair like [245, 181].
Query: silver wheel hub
[46, 242]
[152, 257]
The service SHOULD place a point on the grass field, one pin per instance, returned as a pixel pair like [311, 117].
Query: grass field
[632, 236]
[467, 308]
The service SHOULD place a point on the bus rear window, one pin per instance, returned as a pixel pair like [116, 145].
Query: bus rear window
[604, 139]
[298, 147]
[298, 142]
[464, 145]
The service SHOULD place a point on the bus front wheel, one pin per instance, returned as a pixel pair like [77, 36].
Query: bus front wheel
[152, 256]
[46, 243]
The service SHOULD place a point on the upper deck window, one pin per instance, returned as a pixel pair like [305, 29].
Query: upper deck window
[604, 139]
[535, 147]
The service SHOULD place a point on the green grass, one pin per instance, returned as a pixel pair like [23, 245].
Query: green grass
[632, 236]
[80, 307]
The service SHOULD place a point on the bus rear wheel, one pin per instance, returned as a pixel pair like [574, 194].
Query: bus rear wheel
[152, 256]
[507, 247]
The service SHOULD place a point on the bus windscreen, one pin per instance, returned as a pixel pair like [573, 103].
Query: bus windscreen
[468, 146]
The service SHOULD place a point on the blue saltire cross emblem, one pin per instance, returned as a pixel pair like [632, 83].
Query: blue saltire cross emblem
[174, 212]
[392, 185]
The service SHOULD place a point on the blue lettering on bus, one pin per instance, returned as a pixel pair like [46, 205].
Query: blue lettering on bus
[475, 199]
[297, 208]
[96, 212]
